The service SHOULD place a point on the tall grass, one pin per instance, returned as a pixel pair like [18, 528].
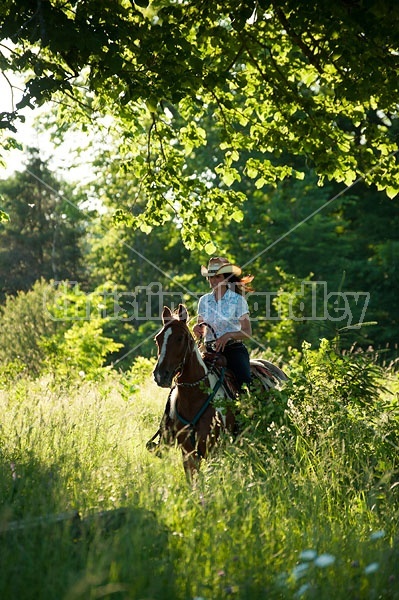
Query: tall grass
[309, 509]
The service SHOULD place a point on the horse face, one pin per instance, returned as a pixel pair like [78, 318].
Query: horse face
[172, 346]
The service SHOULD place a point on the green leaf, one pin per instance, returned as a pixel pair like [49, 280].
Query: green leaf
[252, 172]
[210, 248]
[260, 183]
[145, 228]
[4, 217]
[391, 192]
[228, 178]
[237, 216]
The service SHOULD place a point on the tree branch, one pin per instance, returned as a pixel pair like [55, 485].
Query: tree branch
[297, 39]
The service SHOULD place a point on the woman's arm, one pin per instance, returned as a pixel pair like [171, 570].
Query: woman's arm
[244, 333]
[246, 329]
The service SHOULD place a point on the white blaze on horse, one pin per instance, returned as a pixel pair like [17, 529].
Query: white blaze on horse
[192, 418]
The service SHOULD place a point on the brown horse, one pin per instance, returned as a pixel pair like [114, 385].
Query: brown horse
[192, 417]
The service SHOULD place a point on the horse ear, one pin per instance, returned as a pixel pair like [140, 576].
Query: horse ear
[166, 315]
[183, 314]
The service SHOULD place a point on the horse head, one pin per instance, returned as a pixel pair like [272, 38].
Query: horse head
[172, 343]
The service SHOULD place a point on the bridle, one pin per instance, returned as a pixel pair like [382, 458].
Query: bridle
[180, 366]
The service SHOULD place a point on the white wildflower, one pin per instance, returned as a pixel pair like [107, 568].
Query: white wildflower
[302, 590]
[308, 555]
[324, 560]
[377, 535]
[300, 570]
[371, 568]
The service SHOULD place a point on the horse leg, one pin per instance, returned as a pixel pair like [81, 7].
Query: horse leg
[191, 465]
[164, 432]
[232, 424]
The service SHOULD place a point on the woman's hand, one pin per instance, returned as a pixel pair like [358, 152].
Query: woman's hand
[198, 330]
[221, 342]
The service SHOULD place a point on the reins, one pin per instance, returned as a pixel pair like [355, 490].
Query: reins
[195, 383]
[210, 327]
[208, 371]
[191, 424]
[197, 417]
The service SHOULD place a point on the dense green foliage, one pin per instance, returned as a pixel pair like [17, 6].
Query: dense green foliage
[316, 280]
[51, 329]
[203, 113]
[296, 508]
[254, 83]
[43, 233]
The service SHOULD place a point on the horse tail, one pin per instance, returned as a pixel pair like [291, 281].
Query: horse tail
[269, 374]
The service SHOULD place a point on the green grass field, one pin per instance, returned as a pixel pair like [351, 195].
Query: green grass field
[309, 511]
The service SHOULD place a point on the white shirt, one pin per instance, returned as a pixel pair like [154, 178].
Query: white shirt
[224, 314]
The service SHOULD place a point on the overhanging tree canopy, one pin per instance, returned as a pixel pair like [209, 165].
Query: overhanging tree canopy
[277, 79]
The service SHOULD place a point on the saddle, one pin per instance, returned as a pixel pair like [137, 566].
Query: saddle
[268, 374]
[216, 361]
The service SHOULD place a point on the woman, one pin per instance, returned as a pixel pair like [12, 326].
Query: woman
[223, 316]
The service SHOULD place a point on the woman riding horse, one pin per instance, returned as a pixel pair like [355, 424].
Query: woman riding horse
[223, 322]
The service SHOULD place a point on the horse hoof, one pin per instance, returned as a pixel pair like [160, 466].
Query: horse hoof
[154, 447]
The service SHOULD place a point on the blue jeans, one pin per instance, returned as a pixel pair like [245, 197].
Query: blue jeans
[238, 361]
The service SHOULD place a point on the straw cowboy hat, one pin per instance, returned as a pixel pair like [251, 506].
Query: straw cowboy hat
[220, 266]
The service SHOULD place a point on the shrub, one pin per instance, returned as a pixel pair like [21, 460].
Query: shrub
[24, 322]
[53, 329]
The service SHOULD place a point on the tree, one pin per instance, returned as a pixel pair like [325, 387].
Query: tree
[139, 272]
[279, 78]
[42, 238]
[345, 246]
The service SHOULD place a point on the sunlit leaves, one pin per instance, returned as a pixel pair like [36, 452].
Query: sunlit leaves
[391, 192]
[228, 174]
[210, 248]
[282, 81]
[192, 136]
[4, 217]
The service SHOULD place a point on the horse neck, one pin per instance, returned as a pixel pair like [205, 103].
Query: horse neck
[194, 367]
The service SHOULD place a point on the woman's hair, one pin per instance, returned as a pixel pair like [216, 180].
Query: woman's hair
[239, 285]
